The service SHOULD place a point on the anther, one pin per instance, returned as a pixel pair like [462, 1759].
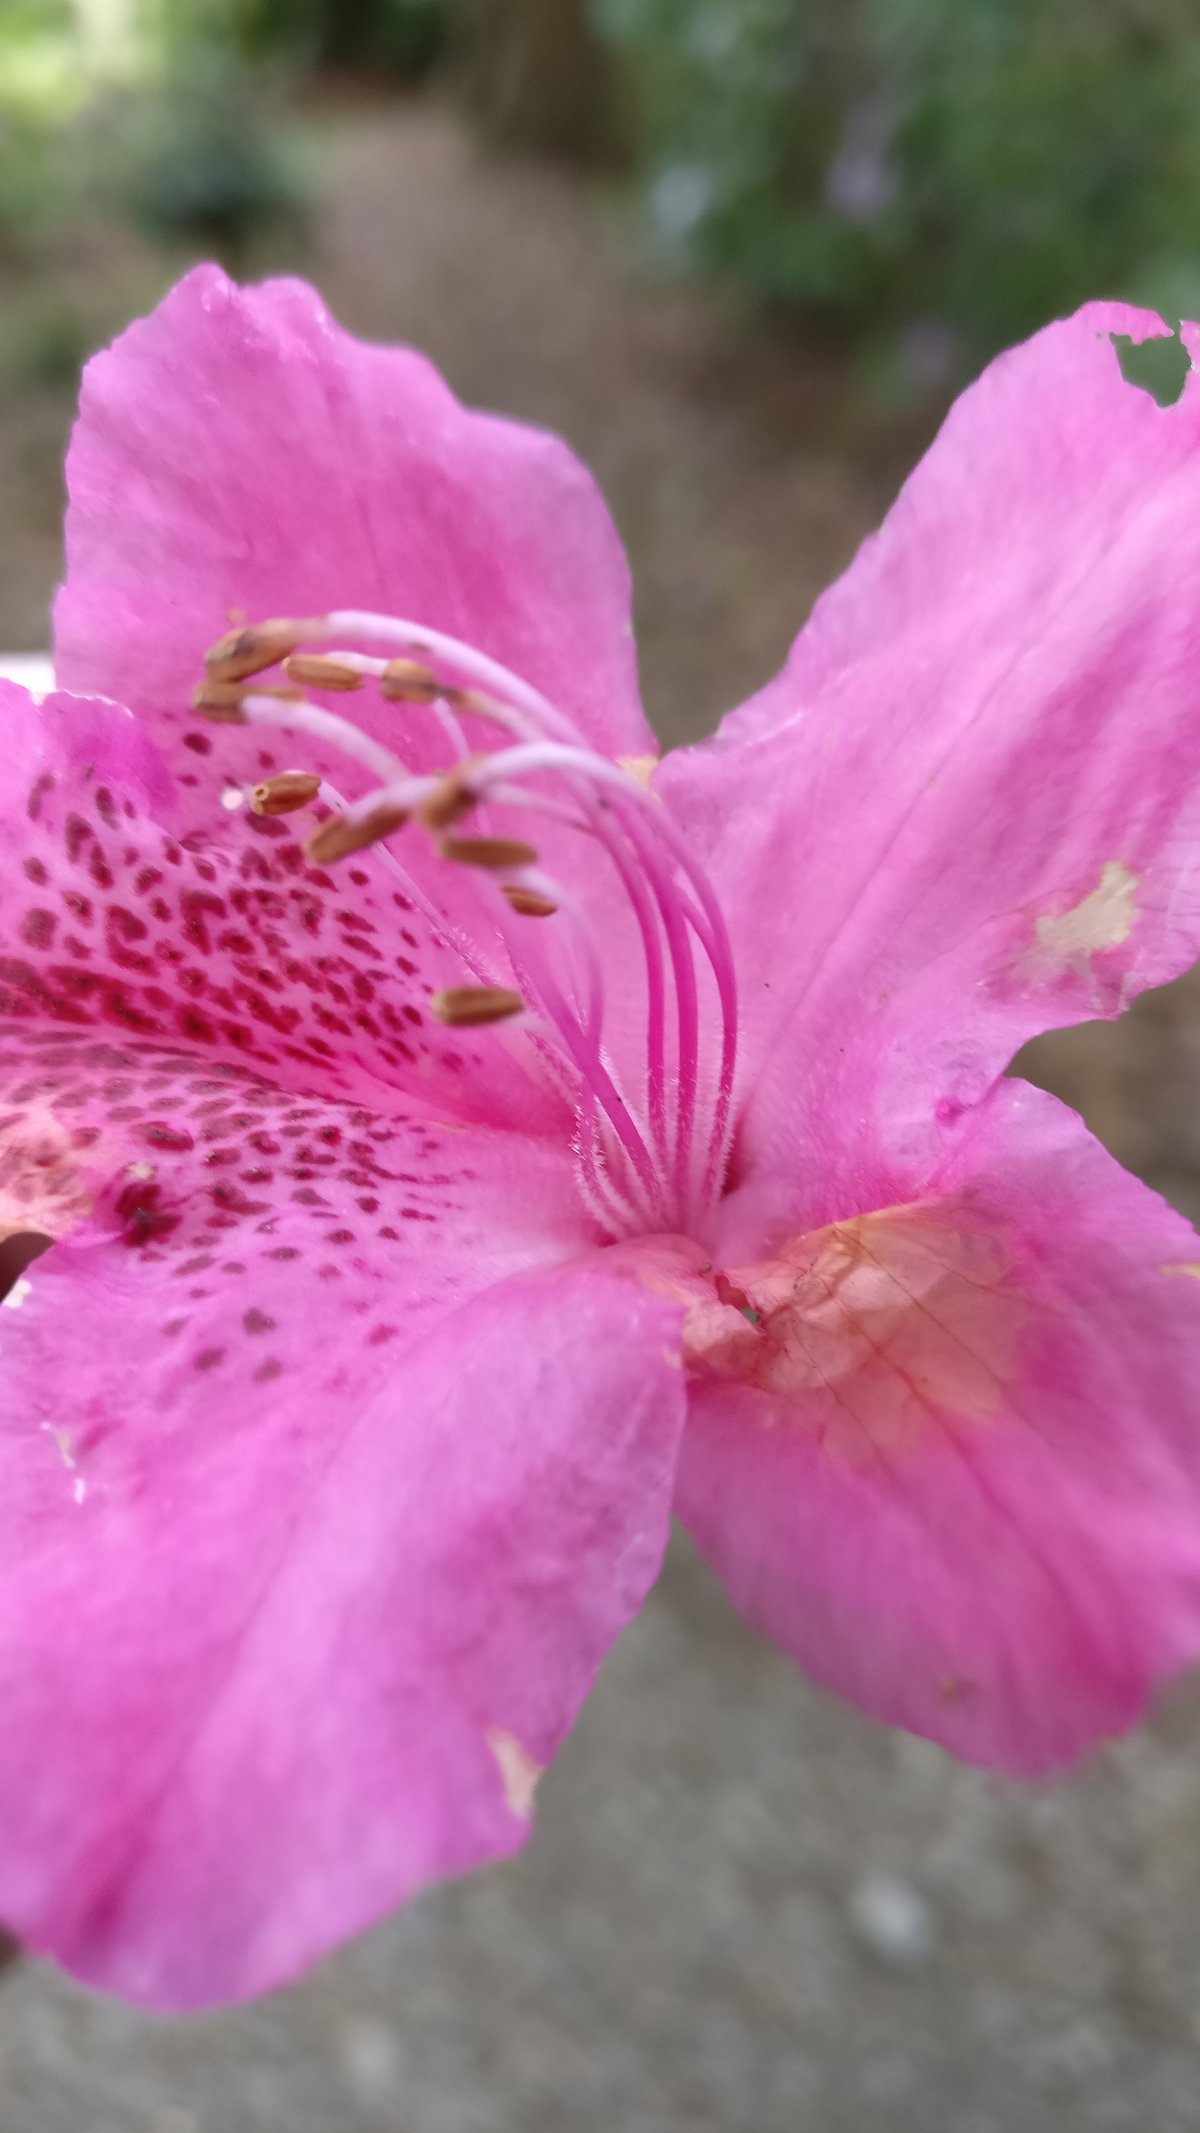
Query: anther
[342, 834]
[451, 799]
[316, 671]
[244, 652]
[221, 701]
[474, 1006]
[284, 794]
[497, 854]
[405, 681]
[528, 902]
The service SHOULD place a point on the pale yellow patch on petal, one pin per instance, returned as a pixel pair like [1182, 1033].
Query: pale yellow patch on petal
[1103, 919]
[640, 768]
[518, 1771]
[873, 1331]
[41, 1185]
[1191, 1267]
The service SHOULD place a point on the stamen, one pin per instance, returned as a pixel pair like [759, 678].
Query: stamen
[652, 1169]
[347, 833]
[498, 855]
[283, 795]
[471, 665]
[528, 902]
[250, 651]
[261, 707]
[319, 672]
[402, 681]
[474, 1006]
[452, 798]
[224, 702]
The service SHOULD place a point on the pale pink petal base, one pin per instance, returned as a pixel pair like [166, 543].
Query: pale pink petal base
[961, 1483]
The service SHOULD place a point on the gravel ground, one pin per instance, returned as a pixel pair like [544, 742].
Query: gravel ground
[745, 1910]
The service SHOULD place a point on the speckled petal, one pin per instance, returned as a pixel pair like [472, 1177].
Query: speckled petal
[316, 1521]
[231, 947]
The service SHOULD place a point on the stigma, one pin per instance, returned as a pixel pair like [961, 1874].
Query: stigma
[652, 1118]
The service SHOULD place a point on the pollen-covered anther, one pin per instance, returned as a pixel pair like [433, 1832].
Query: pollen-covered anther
[250, 651]
[529, 903]
[453, 798]
[474, 1006]
[343, 834]
[316, 671]
[283, 795]
[497, 855]
[222, 701]
[405, 681]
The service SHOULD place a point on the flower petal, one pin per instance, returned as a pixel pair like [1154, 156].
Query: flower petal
[237, 452]
[310, 1545]
[968, 810]
[962, 1484]
[236, 949]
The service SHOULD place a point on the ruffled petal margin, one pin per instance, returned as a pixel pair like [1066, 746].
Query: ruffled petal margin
[238, 455]
[969, 809]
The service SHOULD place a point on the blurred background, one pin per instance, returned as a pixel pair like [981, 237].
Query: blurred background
[741, 252]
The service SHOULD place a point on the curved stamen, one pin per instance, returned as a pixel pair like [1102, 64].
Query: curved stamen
[472, 665]
[653, 1170]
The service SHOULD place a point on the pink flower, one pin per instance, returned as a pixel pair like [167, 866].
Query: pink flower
[561, 1138]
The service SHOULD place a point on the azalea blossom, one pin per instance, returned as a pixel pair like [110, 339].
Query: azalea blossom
[464, 1139]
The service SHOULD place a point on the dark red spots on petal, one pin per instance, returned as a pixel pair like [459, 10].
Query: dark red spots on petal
[379, 1336]
[257, 1321]
[175, 1139]
[40, 793]
[267, 1372]
[195, 1026]
[284, 1252]
[209, 1358]
[199, 743]
[142, 1214]
[36, 873]
[38, 929]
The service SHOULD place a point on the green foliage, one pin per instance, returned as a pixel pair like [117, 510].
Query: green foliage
[398, 37]
[944, 174]
[200, 164]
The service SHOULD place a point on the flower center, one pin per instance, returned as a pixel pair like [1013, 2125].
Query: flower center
[869, 1331]
[653, 1118]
